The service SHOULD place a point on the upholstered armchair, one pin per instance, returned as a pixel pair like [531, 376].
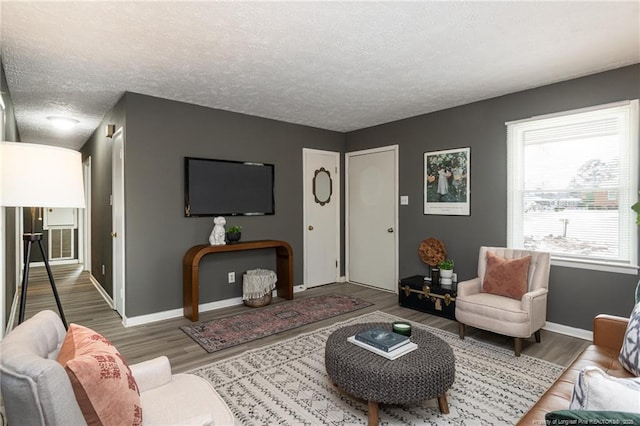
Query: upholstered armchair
[37, 389]
[508, 297]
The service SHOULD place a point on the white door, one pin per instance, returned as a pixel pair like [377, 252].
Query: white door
[2, 238]
[84, 233]
[321, 170]
[117, 233]
[372, 224]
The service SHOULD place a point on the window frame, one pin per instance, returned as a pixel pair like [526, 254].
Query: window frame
[515, 187]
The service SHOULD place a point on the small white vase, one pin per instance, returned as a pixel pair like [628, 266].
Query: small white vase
[446, 276]
[446, 273]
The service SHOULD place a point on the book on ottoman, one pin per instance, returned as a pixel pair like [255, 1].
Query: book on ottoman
[394, 354]
[384, 340]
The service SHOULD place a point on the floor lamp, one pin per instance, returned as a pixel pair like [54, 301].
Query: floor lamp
[36, 176]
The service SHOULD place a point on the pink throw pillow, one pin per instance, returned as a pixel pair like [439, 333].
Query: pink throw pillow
[103, 384]
[506, 277]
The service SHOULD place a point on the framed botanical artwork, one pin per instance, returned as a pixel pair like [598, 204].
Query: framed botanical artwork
[446, 182]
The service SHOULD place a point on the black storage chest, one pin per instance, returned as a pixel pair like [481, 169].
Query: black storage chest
[417, 293]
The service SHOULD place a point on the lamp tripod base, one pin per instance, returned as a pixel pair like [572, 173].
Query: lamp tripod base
[29, 239]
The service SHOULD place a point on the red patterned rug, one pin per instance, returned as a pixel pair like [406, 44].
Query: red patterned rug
[223, 333]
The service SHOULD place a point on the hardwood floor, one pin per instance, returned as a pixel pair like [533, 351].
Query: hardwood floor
[83, 304]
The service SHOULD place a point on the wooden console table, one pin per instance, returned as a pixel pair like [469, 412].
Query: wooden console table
[191, 264]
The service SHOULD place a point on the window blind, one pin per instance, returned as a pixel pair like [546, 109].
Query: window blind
[572, 180]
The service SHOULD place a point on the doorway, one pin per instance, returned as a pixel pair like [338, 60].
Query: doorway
[321, 177]
[85, 224]
[61, 225]
[118, 231]
[372, 217]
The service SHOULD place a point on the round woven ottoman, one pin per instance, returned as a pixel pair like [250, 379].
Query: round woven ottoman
[426, 373]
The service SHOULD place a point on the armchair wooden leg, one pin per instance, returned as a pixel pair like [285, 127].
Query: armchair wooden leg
[537, 335]
[461, 330]
[517, 345]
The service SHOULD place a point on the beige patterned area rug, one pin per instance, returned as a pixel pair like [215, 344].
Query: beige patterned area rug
[286, 384]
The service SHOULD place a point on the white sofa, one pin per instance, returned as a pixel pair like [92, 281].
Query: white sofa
[36, 389]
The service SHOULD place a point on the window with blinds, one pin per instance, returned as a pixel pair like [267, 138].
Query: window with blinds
[572, 178]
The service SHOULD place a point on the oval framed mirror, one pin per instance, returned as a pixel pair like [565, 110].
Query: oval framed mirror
[322, 186]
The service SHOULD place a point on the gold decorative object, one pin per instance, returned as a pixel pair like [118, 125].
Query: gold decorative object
[426, 293]
[432, 251]
[407, 290]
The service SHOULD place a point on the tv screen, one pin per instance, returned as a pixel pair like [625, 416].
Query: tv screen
[227, 188]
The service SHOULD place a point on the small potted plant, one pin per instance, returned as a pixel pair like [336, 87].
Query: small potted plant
[446, 265]
[446, 272]
[234, 233]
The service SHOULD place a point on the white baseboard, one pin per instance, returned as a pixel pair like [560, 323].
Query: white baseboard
[342, 279]
[149, 318]
[55, 262]
[101, 290]
[206, 307]
[569, 331]
[177, 313]
[296, 289]
[212, 306]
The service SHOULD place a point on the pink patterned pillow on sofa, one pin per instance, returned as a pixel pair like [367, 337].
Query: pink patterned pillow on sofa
[103, 384]
[506, 277]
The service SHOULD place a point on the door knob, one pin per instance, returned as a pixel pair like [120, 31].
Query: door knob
[114, 234]
[390, 230]
[310, 228]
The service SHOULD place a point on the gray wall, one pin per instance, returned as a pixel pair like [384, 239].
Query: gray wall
[11, 134]
[159, 134]
[576, 295]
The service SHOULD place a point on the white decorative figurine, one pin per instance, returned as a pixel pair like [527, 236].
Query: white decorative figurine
[217, 234]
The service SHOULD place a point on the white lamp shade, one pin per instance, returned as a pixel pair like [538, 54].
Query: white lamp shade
[33, 175]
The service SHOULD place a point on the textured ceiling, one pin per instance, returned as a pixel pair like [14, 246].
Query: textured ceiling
[333, 65]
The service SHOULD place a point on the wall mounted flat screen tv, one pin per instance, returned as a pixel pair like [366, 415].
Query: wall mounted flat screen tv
[227, 188]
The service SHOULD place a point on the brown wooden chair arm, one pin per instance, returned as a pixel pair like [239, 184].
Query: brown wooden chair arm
[608, 331]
